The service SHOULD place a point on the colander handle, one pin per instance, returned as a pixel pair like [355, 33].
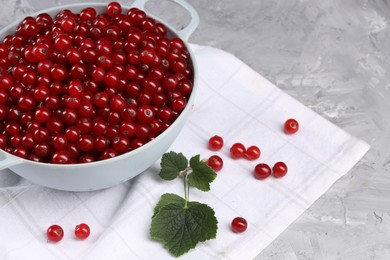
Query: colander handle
[9, 160]
[186, 32]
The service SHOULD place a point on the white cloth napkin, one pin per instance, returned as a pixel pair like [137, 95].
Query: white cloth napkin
[232, 101]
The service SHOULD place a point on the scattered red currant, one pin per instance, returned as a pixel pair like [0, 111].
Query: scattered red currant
[82, 231]
[237, 150]
[279, 169]
[239, 225]
[215, 143]
[262, 171]
[291, 126]
[252, 153]
[55, 233]
[215, 162]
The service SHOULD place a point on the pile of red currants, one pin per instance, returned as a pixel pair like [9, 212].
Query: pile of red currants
[83, 87]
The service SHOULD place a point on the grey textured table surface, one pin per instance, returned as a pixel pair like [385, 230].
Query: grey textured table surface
[334, 57]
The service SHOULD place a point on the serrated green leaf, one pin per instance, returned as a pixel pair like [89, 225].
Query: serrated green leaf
[166, 199]
[202, 175]
[181, 229]
[172, 164]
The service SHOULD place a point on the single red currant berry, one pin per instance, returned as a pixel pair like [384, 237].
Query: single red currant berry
[40, 51]
[26, 103]
[177, 43]
[42, 150]
[114, 9]
[279, 169]
[85, 143]
[179, 65]
[59, 142]
[145, 114]
[42, 114]
[82, 231]
[41, 93]
[120, 144]
[252, 153]
[41, 134]
[262, 171]
[6, 81]
[60, 157]
[63, 42]
[178, 104]
[237, 150]
[72, 133]
[148, 56]
[75, 88]
[127, 128]
[239, 225]
[68, 24]
[108, 153]
[101, 99]
[291, 126]
[55, 233]
[215, 162]
[58, 72]
[86, 158]
[98, 74]
[215, 143]
[88, 14]
[102, 143]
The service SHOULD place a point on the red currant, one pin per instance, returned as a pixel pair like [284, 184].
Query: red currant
[237, 150]
[120, 144]
[41, 134]
[63, 42]
[291, 126]
[40, 51]
[68, 24]
[239, 225]
[127, 128]
[42, 150]
[61, 157]
[114, 9]
[279, 169]
[42, 114]
[215, 162]
[179, 65]
[82, 231]
[75, 88]
[88, 14]
[58, 72]
[252, 153]
[262, 171]
[178, 104]
[145, 114]
[85, 143]
[148, 56]
[72, 133]
[215, 143]
[55, 233]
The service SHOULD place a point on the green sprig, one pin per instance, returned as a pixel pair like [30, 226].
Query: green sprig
[180, 224]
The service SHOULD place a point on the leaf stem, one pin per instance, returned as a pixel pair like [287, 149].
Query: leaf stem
[186, 190]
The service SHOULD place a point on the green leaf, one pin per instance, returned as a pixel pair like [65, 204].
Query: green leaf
[202, 175]
[181, 229]
[172, 164]
[166, 199]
